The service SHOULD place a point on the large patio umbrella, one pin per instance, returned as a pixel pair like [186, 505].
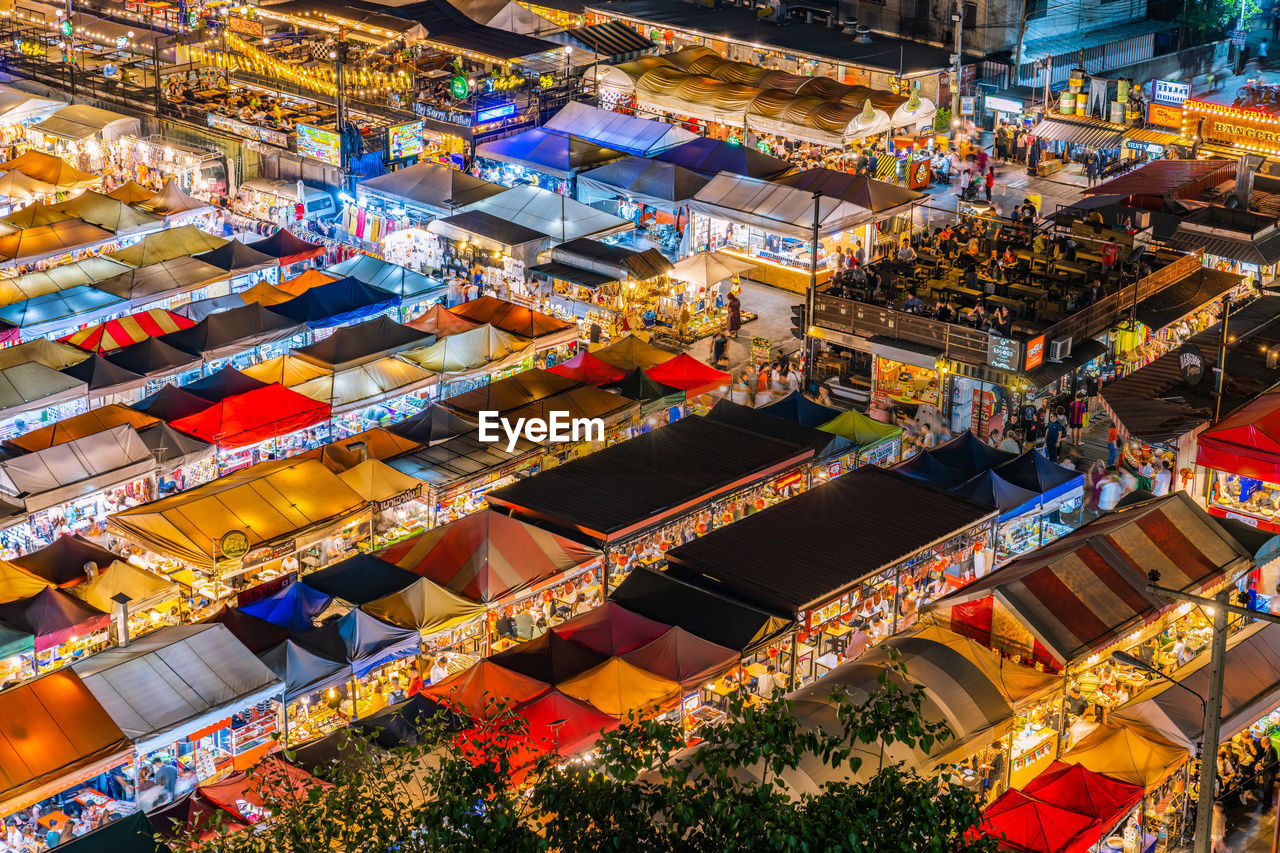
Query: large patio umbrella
[708, 268]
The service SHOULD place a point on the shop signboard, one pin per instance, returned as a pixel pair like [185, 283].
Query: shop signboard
[402, 498]
[1035, 353]
[248, 131]
[448, 116]
[259, 556]
[966, 105]
[1191, 364]
[1169, 92]
[761, 350]
[1003, 353]
[1164, 115]
[245, 26]
[232, 545]
[819, 616]
[495, 112]
[319, 144]
[405, 140]
[1254, 130]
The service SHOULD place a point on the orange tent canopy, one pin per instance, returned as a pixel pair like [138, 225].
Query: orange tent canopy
[486, 688]
[620, 689]
[299, 285]
[441, 322]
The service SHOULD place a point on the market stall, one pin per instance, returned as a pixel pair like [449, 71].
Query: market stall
[161, 246]
[1061, 493]
[65, 628]
[875, 443]
[350, 346]
[61, 277]
[892, 206]
[311, 695]
[266, 423]
[55, 314]
[417, 292]
[160, 362]
[238, 335]
[559, 217]
[32, 395]
[82, 132]
[288, 249]
[1242, 453]
[1018, 525]
[499, 248]
[174, 204]
[171, 403]
[547, 333]
[371, 648]
[184, 461]
[287, 370]
[338, 303]
[400, 510]
[659, 404]
[244, 264]
[475, 357]
[108, 213]
[111, 335]
[710, 157]
[631, 134]
[49, 169]
[589, 370]
[63, 562]
[168, 284]
[541, 158]
[371, 394]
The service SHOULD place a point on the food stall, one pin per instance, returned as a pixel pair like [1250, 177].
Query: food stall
[875, 443]
[399, 510]
[154, 600]
[65, 628]
[538, 157]
[267, 422]
[1239, 452]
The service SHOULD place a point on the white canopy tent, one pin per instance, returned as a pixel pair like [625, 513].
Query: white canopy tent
[775, 208]
[77, 468]
[550, 213]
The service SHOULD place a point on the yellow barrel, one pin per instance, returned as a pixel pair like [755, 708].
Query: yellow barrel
[1131, 113]
[1067, 104]
[1076, 81]
[1082, 104]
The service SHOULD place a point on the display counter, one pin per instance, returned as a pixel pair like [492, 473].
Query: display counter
[1255, 502]
[907, 384]
[782, 262]
[1035, 746]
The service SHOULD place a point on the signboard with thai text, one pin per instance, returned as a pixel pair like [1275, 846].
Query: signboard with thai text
[319, 144]
[1035, 353]
[1164, 116]
[1169, 92]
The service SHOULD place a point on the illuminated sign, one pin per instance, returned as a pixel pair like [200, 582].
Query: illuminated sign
[245, 26]
[495, 113]
[504, 82]
[1168, 92]
[1003, 353]
[249, 131]
[65, 28]
[1035, 353]
[459, 86]
[1253, 130]
[322, 145]
[405, 140]
[1164, 115]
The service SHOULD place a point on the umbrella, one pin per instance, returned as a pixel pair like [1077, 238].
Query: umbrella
[707, 268]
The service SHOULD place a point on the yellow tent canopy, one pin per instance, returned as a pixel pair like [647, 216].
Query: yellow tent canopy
[160, 246]
[378, 443]
[89, 423]
[1132, 753]
[50, 169]
[33, 215]
[376, 481]
[484, 347]
[631, 352]
[426, 606]
[15, 583]
[53, 354]
[131, 193]
[368, 384]
[619, 688]
[33, 284]
[288, 370]
[145, 589]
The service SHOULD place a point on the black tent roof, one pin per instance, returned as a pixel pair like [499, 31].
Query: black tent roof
[432, 425]
[990, 489]
[303, 670]
[360, 579]
[969, 454]
[402, 724]
[130, 834]
[448, 26]
[257, 635]
[338, 301]
[234, 256]
[168, 444]
[457, 459]
[637, 386]
[229, 332]
[549, 658]
[710, 615]
[799, 408]
[171, 403]
[927, 469]
[824, 444]
[101, 375]
[62, 561]
[349, 346]
[152, 282]
[1033, 470]
[153, 356]
[656, 476]
[801, 552]
[284, 244]
[225, 383]
[357, 638]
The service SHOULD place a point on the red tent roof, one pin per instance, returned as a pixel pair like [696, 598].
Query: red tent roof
[1028, 825]
[515, 319]
[487, 555]
[123, 331]
[482, 689]
[611, 629]
[270, 780]
[254, 416]
[683, 657]
[559, 724]
[1072, 787]
[53, 617]
[688, 374]
[441, 322]
[1246, 442]
[589, 370]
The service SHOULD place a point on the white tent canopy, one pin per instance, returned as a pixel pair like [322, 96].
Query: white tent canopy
[19, 106]
[631, 134]
[80, 121]
[78, 468]
[549, 213]
[175, 681]
[368, 384]
[775, 208]
[707, 268]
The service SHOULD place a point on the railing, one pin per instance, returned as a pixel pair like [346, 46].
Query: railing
[858, 318]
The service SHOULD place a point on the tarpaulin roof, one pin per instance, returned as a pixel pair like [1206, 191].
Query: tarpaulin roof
[254, 632]
[131, 192]
[927, 469]
[32, 216]
[173, 449]
[860, 429]
[632, 134]
[483, 347]
[640, 482]
[379, 443]
[511, 392]
[174, 681]
[20, 187]
[202, 308]
[112, 214]
[53, 617]
[461, 460]
[1246, 442]
[824, 444]
[581, 402]
[309, 278]
[337, 302]
[487, 556]
[172, 201]
[16, 583]
[1026, 824]
[367, 384]
[990, 489]
[62, 561]
[294, 607]
[153, 357]
[879, 197]
[48, 168]
[713, 156]
[15, 642]
[359, 579]
[265, 294]
[364, 641]
[433, 425]
[78, 426]
[486, 687]
[121, 332]
[267, 412]
[688, 374]
[618, 261]
[775, 208]
[225, 383]
[375, 480]
[486, 230]
[589, 370]
[438, 188]
[1087, 590]
[425, 606]
[1131, 752]
[53, 354]
[630, 353]
[549, 152]
[549, 658]
[650, 182]
[143, 588]
[552, 214]
[76, 469]
[683, 657]
[1071, 786]
[404, 722]
[620, 689]
[510, 317]
[271, 780]
[304, 671]
[267, 502]
[236, 258]
[288, 370]
[970, 454]
[80, 121]
[441, 322]
[93, 270]
[637, 386]
[707, 269]
[53, 733]
[1032, 470]
[349, 346]
[287, 248]
[610, 629]
[19, 106]
[761, 559]
[166, 245]
[104, 378]
[228, 333]
[55, 311]
[171, 403]
[556, 723]
[25, 387]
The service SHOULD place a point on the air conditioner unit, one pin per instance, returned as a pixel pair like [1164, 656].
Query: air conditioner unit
[1059, 348]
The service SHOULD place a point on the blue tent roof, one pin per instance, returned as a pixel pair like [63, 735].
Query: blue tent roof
[61, 304]
[548, 151]
[292, 607]
[799, 408]
[926, 469]
[968, 453]
[302, 670]
[363, 641]
[713, 156]
[338, 302]
[992, 490]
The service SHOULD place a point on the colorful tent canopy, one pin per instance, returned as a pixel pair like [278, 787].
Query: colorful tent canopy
[441, 322]
[581, 402]
[485, 688]
[171, 201]
[306, 280]
[363, 641]
[611, 629]
[708, 269]
[50, 169]
[153, 357]
[1033, 470]
[54, 312]
[511, 393]
[927, 469]
[359, 579]
[349, 346]
[52, 734]
[559, 724]
[990, 489]
[52, 354]
[287, 248]
[174, 450]
[488, 556]
[271, 780]
[304, 671]
[14, 642]
[130, 329]
[104, 379]
[17, 186]
[32, 387]
[1086, 591]
[288, 370]
[549, 658]
[1026, 824]
[258, 415]
[630, 353]
[53, 617]
[1246, 442]
[548, 151]
[649, 182]
[236, 258]
[255, 633]
[399, 280]
[433, 186]
[265, 294]
[463, 459]
[799, 408]
[589, 370]
[144, 589]
[16, 583]
[1073, 787]
[425, 606]
[682, 657]
[860, 429]
[62, 562]
[651, 395]
[171, 403]
[968, 453]
[485, 348]
[32, 216]
[76, 469]
[825, 444]
[405, 722]
[295, 607]
[227, 333]
[1131, 753]
[620, 689]
[131, 192]
[112, 214]
[367, 384]
[376, 481]
[515, 319]
[689, 375]
[342, 301]
[222, 384]
[713, 156]
[166, 245]
[87, 423]
[379, 443]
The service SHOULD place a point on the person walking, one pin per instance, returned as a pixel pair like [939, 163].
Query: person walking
[1091, 167]
[1113, 446]
[1076, 411]
[989, 182]
[1020, 141]
[719, 345]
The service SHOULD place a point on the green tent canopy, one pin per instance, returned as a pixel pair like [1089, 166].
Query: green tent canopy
[15, 642]
[863, 431]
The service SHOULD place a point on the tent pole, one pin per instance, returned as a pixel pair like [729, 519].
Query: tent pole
[604, 573]
[284, 714]
[1062, 715]
[795, 649]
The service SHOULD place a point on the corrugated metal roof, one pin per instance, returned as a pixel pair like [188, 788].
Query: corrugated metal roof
[1094, 134]
[1263, 252]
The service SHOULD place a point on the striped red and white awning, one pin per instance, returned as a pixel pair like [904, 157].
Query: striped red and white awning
[123, 331]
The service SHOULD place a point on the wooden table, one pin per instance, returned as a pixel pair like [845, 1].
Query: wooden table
[1028, 290]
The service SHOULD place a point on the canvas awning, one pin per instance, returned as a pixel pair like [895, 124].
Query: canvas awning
[16, 583]
[376, 481]
[1132, 753]
[1023, 822]
[622, 689]
[510, 393]
[350, 346]
[30, 285]
[631, 353]
[363, 641]
[426, 607]
[689, 375]
[288, 370]
[399, 280]
[130, 329]
[298, 285]
[379, 443]
[825, 444]
[163, 281]
[543, 329]
[882, 199]
[560, 155]
[431, 426]
[343, 301]
[713, 156]
[171, 403]
[631, 134]
[224, 383]
[115, 216]
[438, 189]
[304, 671]
[360, 579]
[484, 349]
[489, 231]
[131, 192]
[259, 415]
[776, 209]
[62, 562]
[53, 354]
[45, 241]
[861, 430]
[296, 606]
[175, 681]
[485, 688]
[578, 403]
[254, 633]
[1246, 442]
[287, 248]
[969, 454]
[266, 294]
[451, 463]
[52, 616]
[50, 169]
[369, 384]
[76, 469]
[59, 311]
[154, 358]
[171, 202]
[174, 450]
[228, 333]
[650, 182]
[17, 106]
[589, 370]
[88, 423]
[78, 122]
[1094, 135]
[237, 258]
[683, 657]
[547, 213]
[32, 386]
[166, 245]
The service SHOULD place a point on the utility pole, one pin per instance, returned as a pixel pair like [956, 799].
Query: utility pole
[958, 18]
[1221, 367]
[806, 346]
